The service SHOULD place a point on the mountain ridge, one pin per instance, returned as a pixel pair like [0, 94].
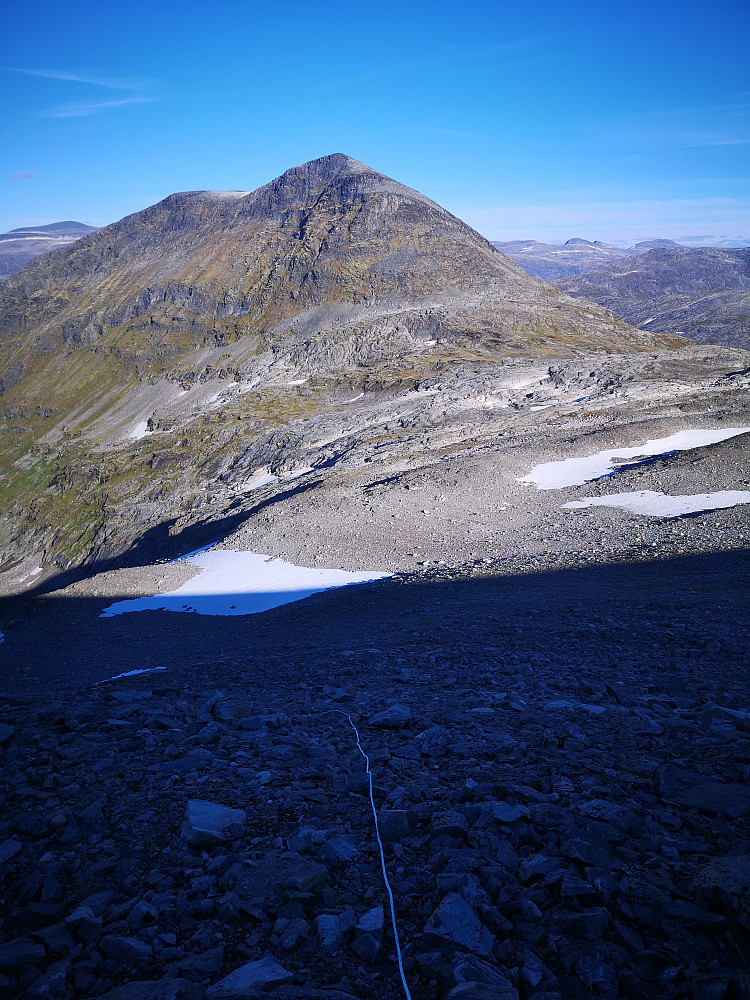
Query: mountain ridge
[698, 292]
[216, 334]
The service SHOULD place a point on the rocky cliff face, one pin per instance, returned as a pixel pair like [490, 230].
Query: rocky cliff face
[701, 293]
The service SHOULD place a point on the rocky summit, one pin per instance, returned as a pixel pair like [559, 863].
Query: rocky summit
[511, 765]
[331, 275]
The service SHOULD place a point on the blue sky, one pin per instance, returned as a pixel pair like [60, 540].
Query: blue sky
[615, 121]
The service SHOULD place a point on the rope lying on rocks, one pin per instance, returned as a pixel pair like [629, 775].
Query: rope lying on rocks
[338, 711]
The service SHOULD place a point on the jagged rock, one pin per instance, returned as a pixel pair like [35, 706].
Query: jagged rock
[393, 717]
[205, 964]
[699, 791]
[206, 822]
[340, 849]
[9, 849]
[58, 939]
[505, 813]
[333, 928]
[599, 975]
[128, 950]
[260, 976]
[451, 824]
[84, 924]
[5, 733]
[393, 824]
[19, 952]
[470, 969]
[368, 935]
[53, 984]
[294, 934]
[727, 880]
[454, 921]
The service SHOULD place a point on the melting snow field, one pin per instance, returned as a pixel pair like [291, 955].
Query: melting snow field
[265, 478]
[140, 430]
[655, 504]
[241, 583]
[577, 471]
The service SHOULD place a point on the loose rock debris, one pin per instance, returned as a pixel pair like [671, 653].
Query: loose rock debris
[172, 842]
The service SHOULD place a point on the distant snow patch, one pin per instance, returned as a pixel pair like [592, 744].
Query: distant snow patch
[263, 477]
[35, 572]
[129, 673]
[140, 431]
[241, 583]
[354, 398]
[654, 504]
[297, 381]
[577, 471]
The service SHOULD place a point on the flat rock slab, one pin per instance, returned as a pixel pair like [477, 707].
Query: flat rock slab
[255, 977]
[701, 791]
[206, 822]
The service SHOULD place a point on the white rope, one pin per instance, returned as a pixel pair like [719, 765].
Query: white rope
[380, 848]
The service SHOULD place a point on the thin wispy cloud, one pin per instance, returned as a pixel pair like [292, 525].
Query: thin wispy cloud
[82, 109]
[94, 81]
[24, 175]
[137, 91]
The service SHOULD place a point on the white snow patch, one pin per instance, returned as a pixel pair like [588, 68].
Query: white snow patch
[296, 473]
[649, 320]
[140, 431]
[354, 399]
[297, 381]
[241, 583]
[429, 343]
[261, 478]
[577, 471]
[654, 504]
[35, 572]
[129, 673]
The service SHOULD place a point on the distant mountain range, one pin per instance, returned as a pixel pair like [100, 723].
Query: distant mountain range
[20, 246]
[702, 293]
[550, 262]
